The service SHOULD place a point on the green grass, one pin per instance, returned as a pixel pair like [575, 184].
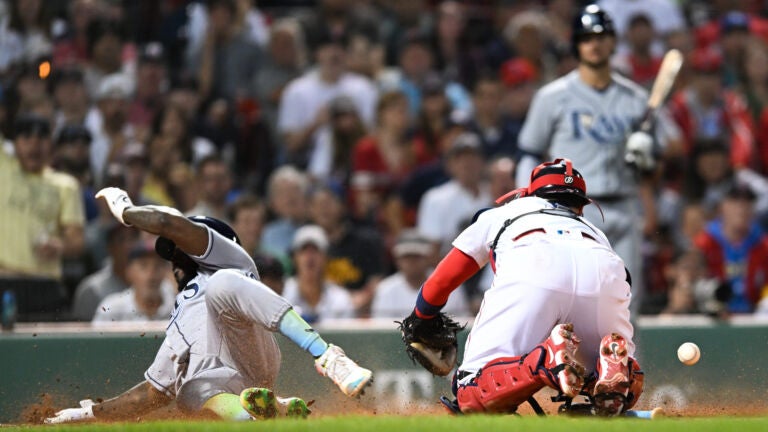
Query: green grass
[433, 424]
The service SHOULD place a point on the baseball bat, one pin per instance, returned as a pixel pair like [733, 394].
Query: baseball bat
[665, 79]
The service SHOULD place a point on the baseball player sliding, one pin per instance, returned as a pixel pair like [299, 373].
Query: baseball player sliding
[552, 267]
[219, 353]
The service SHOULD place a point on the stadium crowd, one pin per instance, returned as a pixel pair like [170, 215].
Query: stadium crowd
[349, 141]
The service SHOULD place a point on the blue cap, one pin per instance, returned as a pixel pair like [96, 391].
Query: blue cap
[734, 21]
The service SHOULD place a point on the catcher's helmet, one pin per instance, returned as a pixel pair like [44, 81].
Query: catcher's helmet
[165, 247]
[590, 20]
[559, 181]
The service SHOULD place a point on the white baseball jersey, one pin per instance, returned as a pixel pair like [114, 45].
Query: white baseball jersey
[551, 267]
[183, 354]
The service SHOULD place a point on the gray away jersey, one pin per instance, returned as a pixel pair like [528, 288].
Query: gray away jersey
[183, 352]
[568, 118]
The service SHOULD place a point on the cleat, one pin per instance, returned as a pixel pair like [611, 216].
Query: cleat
[261, 404]
[561, 347]
[294, 407]
[344, 372]
[612, 386]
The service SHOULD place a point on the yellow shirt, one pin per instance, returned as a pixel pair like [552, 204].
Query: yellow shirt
[33, 206]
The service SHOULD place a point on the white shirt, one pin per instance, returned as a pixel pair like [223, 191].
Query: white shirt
[447, 209]
[122, 306]
[395, 298]
[335, 301]
[305, 96]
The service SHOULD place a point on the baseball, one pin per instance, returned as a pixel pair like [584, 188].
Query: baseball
[689, 353]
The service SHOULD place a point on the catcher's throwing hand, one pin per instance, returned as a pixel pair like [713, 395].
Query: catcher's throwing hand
[69, 415]
[117, 200]
[431, 342]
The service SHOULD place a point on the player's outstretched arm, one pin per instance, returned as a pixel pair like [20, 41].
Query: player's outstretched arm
[140, 399]
[164, 221]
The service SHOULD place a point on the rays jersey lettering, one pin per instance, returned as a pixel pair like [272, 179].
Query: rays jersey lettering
[602, 129]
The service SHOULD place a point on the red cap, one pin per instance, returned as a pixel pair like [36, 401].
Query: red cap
[517, 71]
[705, 60]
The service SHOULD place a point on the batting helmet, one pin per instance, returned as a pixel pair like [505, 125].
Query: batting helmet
[165, 247]
[559, 181]
[590, 20]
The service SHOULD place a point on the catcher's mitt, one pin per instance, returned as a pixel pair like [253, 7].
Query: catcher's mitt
[431, 342]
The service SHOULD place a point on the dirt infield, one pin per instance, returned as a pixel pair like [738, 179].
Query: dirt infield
[335, 405]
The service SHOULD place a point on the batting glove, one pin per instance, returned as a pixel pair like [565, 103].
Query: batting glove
[69, 415]
[639, 151]
[117, 200]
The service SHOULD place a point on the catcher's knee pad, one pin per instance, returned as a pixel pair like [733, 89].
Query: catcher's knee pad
[502, 384]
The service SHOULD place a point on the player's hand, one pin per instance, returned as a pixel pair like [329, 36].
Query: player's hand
[117, 200]
[639, 151]
[69, 415]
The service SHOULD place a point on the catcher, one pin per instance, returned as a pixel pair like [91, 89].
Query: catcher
[551, 267]
[219, 352]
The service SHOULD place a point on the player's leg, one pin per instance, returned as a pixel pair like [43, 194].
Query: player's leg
[255, 403]
[232, 298]
[601, 312]
[504, 383]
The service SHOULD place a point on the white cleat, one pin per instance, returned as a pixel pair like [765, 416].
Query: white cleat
[344, 372]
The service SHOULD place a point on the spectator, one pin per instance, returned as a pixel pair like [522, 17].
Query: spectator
[151, 88]
[312, 295]
[528, 36]
[705, 110]
[42, 215]
[72, 46]
[498, 133]
[304, 103]
[736, 249]
[248, 215]
[271, 271]
[639, 63]
[24, 35]
[150, 296]
[285, 61]
[214, 187]
[709, 174]
[226, 60]
[355, 254]
[173, 125]
[445, 210]
[434, 116]
[287, 193]
[108, 124]
[519, 79]
[665, 17]
[72, 156]
[382, 161]
[71, 98]
[106, 42]
[396, 294]
[331, 159]
[111, 278]
[416, 77]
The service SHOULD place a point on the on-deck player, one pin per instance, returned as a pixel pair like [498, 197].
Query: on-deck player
[219, 353]
[589, 116]
[552, 268]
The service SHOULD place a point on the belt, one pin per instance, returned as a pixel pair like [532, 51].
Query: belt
[541, 230]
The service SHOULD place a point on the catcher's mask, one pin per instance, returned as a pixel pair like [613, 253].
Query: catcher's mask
[167, 249]
[558, 181]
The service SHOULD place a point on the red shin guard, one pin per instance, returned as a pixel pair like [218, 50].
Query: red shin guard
[504, 383]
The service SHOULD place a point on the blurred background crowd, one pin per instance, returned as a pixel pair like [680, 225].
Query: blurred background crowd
[349, 141]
